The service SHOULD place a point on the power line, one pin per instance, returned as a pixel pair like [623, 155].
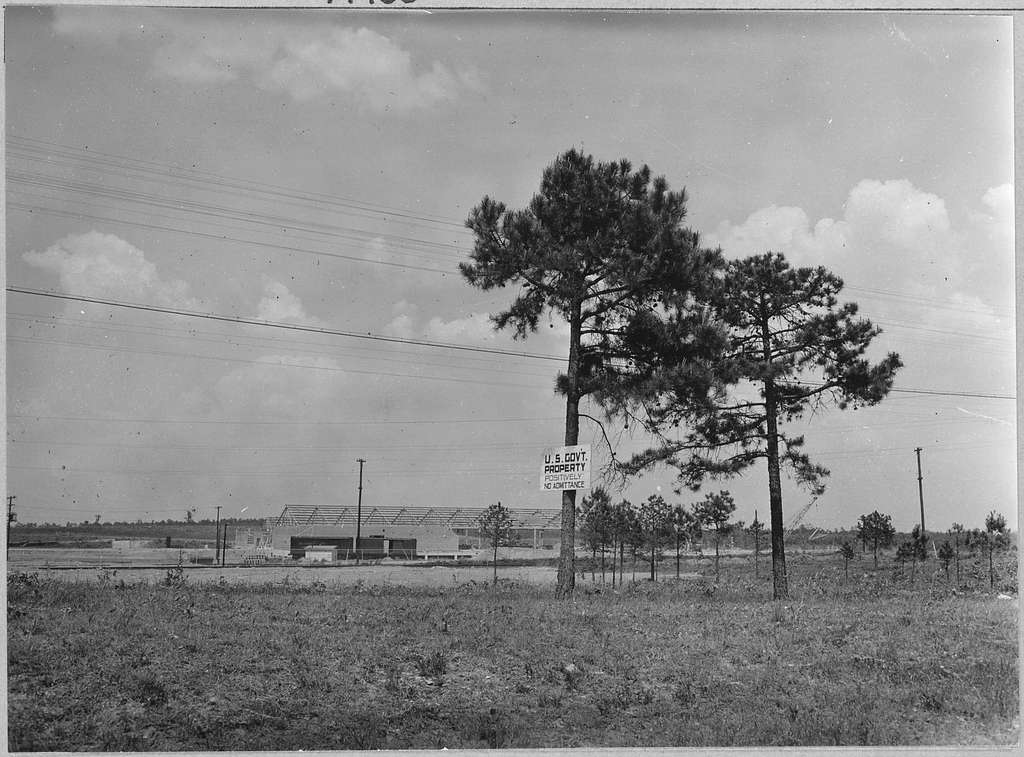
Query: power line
[222, 238]
[165, 172]
[397, 340]
[468, 363]
[249, 422]
[210, 210]
[278, 324]
[29, 148]
[276, 364]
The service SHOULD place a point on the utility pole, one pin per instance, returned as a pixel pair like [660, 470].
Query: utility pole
[920, 488]
[216, 540]
[359, 506]
[11, 517]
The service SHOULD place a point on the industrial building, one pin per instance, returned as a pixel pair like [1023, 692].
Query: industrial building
[329, 532]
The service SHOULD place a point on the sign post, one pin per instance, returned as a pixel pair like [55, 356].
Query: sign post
[565, 468]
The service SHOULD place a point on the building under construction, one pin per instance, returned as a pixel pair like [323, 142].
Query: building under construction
[330, 532]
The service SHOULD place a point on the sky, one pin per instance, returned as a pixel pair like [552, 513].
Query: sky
[314, 169]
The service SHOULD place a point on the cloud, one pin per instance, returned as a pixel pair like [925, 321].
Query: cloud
[476, 328]
[403, 321]
[897, 214]
[999, 201]
[103, 265]
[300, 59]
[280, 305]
[472, 329]
[889, 231]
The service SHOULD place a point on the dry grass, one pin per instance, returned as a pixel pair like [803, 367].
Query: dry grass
[175, 666]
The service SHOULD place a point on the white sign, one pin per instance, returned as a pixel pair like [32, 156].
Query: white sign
[565, 468]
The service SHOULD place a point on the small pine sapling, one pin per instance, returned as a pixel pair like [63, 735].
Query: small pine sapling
[847, 552]
[946, 555]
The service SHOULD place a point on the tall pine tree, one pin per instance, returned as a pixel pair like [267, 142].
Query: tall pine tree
[598, 244]
[788, 347]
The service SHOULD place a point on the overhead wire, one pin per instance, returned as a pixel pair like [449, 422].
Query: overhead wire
[42, 150]
[162, 171]
[377, 337]
[466, 363]
[278, 324]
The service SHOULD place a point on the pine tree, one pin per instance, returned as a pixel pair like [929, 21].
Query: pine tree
[685, 527]
[946, 555]
[496, 526]
[847, 552]
[877, 529]
[995, 538]
[715, 510]
[595, 518]
[597, 244]
[784, 336]
[755, 529]
[655, 525]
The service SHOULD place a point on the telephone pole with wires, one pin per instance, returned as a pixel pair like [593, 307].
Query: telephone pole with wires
[359, 506]
[11, 518]
[920, 488]
[216, 539]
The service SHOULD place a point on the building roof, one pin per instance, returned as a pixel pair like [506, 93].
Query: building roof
[397, 515]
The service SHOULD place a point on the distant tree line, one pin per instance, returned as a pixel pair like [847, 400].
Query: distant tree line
[876, 532]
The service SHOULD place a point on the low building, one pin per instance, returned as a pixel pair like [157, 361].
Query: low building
[390, 531]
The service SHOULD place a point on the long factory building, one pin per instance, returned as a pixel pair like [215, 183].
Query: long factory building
[328, 532]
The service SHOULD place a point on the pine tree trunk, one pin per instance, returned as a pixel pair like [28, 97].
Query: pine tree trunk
[677, 558]
[757, 551]
[991, 568]
[567, 550]
[780, 581]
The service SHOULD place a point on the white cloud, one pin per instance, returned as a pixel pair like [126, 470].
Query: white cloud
[103, 265]
[999, 201]
[403, 321]
[476, 328]
[890, 231]
[897, 214]
[300, 59]
[280, 305]
[473, 329]
[361, 62]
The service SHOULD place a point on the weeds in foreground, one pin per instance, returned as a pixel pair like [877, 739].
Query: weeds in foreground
[231, 667]
[433, 666]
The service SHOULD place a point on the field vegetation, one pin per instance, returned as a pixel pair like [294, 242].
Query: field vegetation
[180, 664]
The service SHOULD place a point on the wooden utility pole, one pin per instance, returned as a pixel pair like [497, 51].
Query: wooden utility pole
[359, 506]
[216, 540]
[11, 517]
[920, 488]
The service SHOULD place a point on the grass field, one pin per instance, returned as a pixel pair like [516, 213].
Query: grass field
[183, 665]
